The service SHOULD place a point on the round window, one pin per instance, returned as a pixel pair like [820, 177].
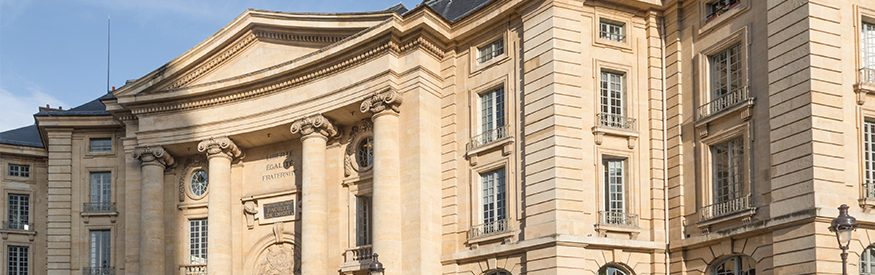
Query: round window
[365, 153]
[199, 182]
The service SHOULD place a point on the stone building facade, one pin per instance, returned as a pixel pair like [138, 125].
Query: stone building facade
[467, 137]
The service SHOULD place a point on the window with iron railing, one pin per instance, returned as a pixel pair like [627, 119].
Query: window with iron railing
[726, 82]
[100, 193]
[98, 271]
[615, 185]
[727, 164]
[492, 122]
[363, 220]
[612, 30]
[493, 202]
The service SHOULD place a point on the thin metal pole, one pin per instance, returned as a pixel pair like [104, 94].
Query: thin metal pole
[108, 33]
[844, 261]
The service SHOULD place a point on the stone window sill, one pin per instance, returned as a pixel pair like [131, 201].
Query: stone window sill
[745, 214]
[504, 237]
[603, 229]
[4, 233]
[630, 134]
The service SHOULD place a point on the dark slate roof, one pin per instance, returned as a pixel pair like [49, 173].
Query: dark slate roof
[92, 108]
[24, 136]
[455, 10]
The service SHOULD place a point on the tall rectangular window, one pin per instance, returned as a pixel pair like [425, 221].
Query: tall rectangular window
[725, 71]
[869, 157]
[100, 251]
[611, 30]
[100, 144]
[867, 53]
[101, 188]
[615, 185]
[363, 220]
[198, 241]
[489, 51]
[19, 170]
[492, 111]
[727, 165]
[18, 214]
[612, 93]
[17, 258]
[493, 188]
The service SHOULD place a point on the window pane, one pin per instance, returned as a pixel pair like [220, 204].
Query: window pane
[101, 187]
[494, 197]
[17, 260]
[727, 164]
[363, 220]
[100, 144]
[867, 44]
[490, 51]
[726, 71]
[100, 253]
[614, 31]
[491, 112]
[612, 93]
[18, 212]
[198, 241]
[614, 186]
[18, 170]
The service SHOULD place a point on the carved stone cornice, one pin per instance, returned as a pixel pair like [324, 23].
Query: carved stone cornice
[220, 146]
[153, 154]
[385, 101]
[315, 124]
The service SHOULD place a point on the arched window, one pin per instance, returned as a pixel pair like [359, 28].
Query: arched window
[497, 272]
[613, 269]
[199, 182]
[867, 261]
[735, 265]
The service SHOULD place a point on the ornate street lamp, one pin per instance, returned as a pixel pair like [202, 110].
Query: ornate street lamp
[843, 226]
[376, 267]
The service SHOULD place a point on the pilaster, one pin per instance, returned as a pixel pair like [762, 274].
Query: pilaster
[59, 199]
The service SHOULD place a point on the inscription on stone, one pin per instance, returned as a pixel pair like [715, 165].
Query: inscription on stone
[279, 209]
[278, 167]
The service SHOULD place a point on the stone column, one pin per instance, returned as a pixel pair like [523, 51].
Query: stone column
[387, 178]
[220, 152]
[153, 161]
[315, 132]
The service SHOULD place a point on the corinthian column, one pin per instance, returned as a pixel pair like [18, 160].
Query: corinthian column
[153, 161]
[315, 131]
[387, 178]
[220, 152]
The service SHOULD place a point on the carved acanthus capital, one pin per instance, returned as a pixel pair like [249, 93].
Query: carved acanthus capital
[153, 154]
[220, 146]
[315, 124]
[387, 100]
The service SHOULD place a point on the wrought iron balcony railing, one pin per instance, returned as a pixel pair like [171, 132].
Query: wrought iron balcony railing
[193, 269]
[17, 226]
[617, 218]
[615, 121]
[724, 102]
[726, 208]
[488, 229]
[98, 207]
[358, 255]
[98, 271]
[488, 137]
[867, 76]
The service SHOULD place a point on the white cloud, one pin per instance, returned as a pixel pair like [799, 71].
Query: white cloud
[16, 110]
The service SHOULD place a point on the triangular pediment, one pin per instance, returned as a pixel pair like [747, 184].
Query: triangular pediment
[255, 41]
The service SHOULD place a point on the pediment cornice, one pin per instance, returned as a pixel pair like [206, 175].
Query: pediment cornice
[280, 78]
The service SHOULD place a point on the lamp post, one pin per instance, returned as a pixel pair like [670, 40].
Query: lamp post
[376, 267]
[843, 226]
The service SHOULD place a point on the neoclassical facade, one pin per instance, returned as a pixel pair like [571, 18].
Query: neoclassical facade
[494, 137]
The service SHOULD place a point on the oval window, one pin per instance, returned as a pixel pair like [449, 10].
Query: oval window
[365, 153]
[199, 182]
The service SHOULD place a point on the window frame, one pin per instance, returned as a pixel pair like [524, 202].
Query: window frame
[495, 106]
[607, 94]
[612, 24]
[103, 198]
[710, 24]
[496, 48]
[29, 257]
[867, 261]
[713, 45]
[91, 148]
[9, 208]
[203, 239]
[732, 163]
[706, 180]
[476, 66]
[607, 184]
[109, 248]
[18, 173]
[501, 188]
[617, 17]
[366, 238]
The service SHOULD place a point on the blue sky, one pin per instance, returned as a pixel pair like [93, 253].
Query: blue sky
[54, 51]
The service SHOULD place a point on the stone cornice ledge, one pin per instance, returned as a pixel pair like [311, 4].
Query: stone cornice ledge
[552, 240]
[755, 227]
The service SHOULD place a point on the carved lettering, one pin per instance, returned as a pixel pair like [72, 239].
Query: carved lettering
[278, 167]
[279, 209]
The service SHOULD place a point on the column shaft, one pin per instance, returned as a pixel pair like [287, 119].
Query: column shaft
[219, 235]
[152, 246]
[387, 191]
[314, 210]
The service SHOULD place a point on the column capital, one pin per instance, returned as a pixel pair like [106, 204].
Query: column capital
[315, 124]
[387, 100]
[220, 146]
[153, 154]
